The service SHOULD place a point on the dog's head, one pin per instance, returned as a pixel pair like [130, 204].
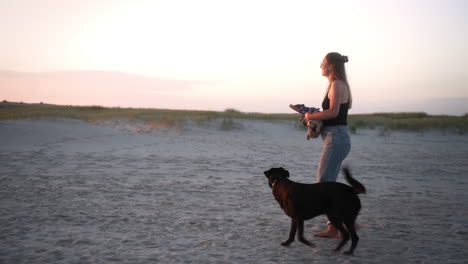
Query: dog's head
[276, 174]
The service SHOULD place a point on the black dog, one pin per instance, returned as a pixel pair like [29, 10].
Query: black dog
[305, 201]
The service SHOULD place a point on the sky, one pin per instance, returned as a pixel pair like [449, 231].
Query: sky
[252, 55]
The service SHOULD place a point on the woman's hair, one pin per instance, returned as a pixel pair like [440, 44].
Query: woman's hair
[338, 71]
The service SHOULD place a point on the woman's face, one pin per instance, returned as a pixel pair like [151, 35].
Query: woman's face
[325, 68]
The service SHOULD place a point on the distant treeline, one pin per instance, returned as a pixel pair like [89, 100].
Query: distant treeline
[418, 121]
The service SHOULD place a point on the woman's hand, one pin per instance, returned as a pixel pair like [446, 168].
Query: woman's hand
[308, 116]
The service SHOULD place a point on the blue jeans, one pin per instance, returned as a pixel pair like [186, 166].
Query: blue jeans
[336, 146]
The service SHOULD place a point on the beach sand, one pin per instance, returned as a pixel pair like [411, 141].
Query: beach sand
[74, 192]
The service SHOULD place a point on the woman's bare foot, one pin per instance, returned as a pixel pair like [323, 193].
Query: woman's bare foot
[330, 232]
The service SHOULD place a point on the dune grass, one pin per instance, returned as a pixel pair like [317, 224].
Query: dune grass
[409, 122]
[166, 117]
[229, 117]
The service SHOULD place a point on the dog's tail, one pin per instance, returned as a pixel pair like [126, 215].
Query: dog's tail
[358, 187]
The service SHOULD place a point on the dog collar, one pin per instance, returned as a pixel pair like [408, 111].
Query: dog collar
[273, 184]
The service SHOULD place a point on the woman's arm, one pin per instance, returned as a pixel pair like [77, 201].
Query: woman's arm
[335, 94]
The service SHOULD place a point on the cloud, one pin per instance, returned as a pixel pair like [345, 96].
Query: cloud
[433, 106]
[106, 88]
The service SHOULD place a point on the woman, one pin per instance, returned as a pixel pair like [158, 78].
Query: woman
[335, 135]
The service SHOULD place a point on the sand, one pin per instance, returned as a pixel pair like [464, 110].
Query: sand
[74, 192]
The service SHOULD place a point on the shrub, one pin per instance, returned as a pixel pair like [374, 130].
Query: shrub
[228, 124]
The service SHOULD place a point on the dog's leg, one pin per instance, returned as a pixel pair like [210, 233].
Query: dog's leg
[300, 232]
[338, 223]
[354, 237]
[292, 233]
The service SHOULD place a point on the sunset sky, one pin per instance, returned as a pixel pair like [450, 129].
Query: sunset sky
[253, 55]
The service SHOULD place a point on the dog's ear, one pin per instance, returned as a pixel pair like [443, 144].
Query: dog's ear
[285, 172]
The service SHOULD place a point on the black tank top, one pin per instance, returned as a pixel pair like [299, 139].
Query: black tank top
[341, 118]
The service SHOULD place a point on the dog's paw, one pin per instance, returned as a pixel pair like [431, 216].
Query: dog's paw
[349, 253]
[286, 243]
[306, 242]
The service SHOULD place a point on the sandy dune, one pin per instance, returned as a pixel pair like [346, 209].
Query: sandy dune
[73, 192]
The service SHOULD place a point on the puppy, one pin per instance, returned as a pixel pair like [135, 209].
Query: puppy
[299, 201]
